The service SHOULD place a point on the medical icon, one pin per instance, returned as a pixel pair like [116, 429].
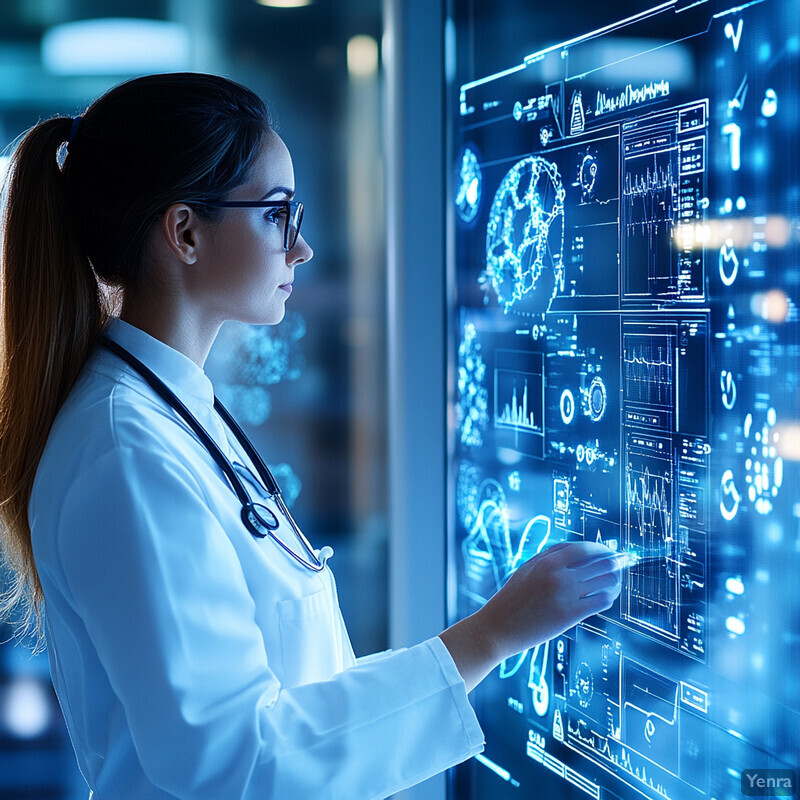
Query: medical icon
[595, 399]
[567, 406]
[525, 238]
[558, 726]
[728, 263]
[728, 388]
[737, 102]
[587, 176]
[469, 182]
[729, 496]
[764, 466]
[769, 106]
[577, 116]
[734, 132]
[584, 684]
[734, 34]
[537, 679]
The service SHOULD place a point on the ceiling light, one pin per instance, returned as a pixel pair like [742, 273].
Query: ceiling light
[284, 3]
[115, 46]
[362, 56]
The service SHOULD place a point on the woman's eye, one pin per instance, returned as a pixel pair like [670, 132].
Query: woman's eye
[275, 215]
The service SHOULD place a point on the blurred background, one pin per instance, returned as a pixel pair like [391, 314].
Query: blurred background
[310, 392]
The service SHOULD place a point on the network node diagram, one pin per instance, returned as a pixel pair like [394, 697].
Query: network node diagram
[525, 238]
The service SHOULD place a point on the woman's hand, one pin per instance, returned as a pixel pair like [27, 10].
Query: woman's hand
[546, 595]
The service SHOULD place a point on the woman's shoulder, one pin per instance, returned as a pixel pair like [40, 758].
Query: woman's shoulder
[110, 404]
[108, 409]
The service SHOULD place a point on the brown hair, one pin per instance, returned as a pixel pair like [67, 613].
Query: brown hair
[72, 230]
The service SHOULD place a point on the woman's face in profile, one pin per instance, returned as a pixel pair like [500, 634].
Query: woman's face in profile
[248, 276]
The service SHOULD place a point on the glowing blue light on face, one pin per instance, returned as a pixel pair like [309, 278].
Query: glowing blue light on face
[525, 238]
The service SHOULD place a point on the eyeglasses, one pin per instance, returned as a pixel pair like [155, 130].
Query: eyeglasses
[292, 211]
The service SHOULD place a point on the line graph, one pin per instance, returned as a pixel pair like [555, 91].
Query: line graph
[650, 197]
[650, 200]
[650, 507]
[651, 595]
[649, 361]
[662, 183]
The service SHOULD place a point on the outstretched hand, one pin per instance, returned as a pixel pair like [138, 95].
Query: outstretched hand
[546, 595]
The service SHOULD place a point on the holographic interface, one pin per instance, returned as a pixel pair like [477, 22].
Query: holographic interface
[625, 361]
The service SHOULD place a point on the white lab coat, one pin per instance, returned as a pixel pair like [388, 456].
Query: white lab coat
[192, 660]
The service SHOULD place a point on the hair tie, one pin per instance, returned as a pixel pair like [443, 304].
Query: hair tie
[76, 121]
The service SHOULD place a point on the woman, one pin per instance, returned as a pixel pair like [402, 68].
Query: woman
[195, 641]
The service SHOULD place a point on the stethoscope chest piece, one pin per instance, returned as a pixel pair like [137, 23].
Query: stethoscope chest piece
[258, 519]
[261, 521]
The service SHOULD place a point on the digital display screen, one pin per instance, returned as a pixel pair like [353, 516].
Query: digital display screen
[624, 361]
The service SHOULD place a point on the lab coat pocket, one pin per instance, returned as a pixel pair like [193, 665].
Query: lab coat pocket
[309, 647]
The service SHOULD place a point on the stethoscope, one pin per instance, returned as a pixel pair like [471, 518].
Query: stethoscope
[257, 518]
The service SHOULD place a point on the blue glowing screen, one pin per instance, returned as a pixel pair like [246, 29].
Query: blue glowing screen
[624, 269]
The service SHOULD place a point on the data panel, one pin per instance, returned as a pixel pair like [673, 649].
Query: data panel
[623, 273]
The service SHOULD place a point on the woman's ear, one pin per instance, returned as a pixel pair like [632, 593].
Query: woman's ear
[179, 226]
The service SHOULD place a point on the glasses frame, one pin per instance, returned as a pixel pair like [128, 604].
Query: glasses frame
[294, 215]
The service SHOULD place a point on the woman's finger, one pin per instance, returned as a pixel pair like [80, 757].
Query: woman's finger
[601, 583]
[600, 565]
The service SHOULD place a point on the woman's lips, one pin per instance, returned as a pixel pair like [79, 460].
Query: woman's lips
[287, 287]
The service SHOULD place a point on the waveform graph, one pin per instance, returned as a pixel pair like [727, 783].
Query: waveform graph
[650, 720]
[649, 369]
[519, 401]
[650, 195]
[651, 200]
[650, 596]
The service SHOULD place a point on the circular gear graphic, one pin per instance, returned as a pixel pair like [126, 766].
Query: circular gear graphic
[596, 399]
[525, 238]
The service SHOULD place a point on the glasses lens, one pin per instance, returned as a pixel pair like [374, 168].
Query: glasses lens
[293, 228]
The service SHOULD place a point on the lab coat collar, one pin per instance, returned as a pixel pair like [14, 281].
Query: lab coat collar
[180, 373]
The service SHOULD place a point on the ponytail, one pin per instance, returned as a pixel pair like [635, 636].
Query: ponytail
[51, 315]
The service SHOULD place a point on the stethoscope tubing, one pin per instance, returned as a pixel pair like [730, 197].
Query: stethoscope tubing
[252, 514]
